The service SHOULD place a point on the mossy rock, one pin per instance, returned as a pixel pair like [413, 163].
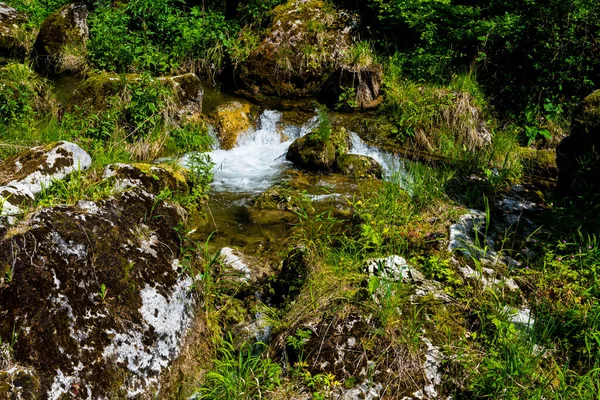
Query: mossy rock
[307, 41]
[230, 120]
[316, 151]
[358, 166]
[65, 28]
[94, 92]
[578, 155]
[10, 46]
[539, 162]
[154, 178]
[98, 295]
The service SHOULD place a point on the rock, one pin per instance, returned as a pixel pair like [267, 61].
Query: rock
[94, 92]
[578, 155]
[306, 43]
[230, 120]
[24, 176]
[155, 178]
[10, 45]
[358, 166]
[98, 296]
[294, 272]
[354, 87]
[318, 150]
[61, 42]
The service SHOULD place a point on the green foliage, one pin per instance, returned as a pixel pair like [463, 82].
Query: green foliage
[22, 92]
[191, 136]
[37, 10]
[240, 374]
[145, 35]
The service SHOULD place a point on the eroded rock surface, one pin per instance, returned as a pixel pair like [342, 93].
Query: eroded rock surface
[97, 296]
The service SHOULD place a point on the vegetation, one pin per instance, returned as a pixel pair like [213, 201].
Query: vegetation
[476, 94]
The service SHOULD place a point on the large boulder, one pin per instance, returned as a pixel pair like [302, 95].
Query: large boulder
[94, 92]
[230, 120]
[578, 155]
[318, 150]
[61, 42]
[10, 45]
[96, 297]
[305, 44]
[26, 175]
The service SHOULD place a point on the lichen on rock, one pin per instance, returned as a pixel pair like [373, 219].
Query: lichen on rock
[102, 307]
[10, 45]
[317, 151]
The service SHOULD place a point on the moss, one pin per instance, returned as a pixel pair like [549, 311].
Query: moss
[95, 90]
[357, 166]
[305, 43]
[316, 151]
[60, 30]
[540, 162]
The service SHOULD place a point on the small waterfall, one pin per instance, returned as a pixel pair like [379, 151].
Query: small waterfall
[258, 159]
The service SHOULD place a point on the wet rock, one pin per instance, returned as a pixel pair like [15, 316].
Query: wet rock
[578, 155]
[305, 44]
[358, 166]
[24, 176]
[230, 120]
[318, 150]
[61, 42]
[10, 45]
[353, 87]
[97, 295]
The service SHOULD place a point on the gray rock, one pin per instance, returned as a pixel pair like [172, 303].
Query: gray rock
[10, 45]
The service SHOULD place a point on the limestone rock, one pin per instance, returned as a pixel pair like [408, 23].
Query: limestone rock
[10, 46]
[358, 166]
[24, 176]
[305, 44]
[61, 42]
[230, 120]
[578, 155]
[98, 297]
[317, 151]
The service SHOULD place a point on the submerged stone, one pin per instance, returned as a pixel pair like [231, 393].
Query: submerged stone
[358, 166]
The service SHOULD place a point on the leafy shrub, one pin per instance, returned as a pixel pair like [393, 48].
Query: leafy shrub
[22, 92]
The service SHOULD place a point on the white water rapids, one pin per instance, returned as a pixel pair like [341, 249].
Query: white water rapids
[258, 160]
